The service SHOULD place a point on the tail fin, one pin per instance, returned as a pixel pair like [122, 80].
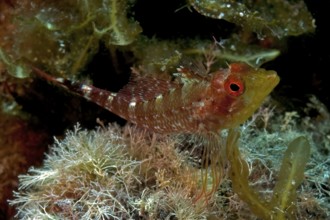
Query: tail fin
[101, 97]
[75, 87]
[67, 84]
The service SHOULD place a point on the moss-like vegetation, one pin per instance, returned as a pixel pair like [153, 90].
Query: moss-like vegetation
[121, 173]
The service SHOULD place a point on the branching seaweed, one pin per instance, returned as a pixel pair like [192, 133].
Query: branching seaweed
[64, 36]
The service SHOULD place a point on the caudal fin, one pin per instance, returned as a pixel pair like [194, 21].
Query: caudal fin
[67, 84]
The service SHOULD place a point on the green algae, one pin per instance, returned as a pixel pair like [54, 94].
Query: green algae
[239, 173]
[64, 36]
[234, 50]
[291, 175]
[283, 202]
[278, 18]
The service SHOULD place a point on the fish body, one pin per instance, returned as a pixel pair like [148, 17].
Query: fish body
[191, 103]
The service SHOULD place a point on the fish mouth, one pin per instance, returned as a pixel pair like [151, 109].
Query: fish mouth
[273, 75]
[262, 85]
[270, 80]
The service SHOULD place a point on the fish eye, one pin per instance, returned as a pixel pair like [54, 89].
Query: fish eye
[234, 86]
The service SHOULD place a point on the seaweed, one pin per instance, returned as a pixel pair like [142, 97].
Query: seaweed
[64, 36]
[283, 202]
[153, 177]
[277, 18]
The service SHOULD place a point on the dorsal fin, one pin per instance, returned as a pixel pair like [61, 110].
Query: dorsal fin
[195, 67]
[145, 88]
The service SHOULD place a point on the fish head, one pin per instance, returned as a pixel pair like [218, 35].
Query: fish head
[237, 92]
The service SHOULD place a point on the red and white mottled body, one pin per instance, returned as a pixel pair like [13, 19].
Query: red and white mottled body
[190, 103]
[196, 103]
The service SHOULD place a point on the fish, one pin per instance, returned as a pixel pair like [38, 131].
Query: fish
[192, 102]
